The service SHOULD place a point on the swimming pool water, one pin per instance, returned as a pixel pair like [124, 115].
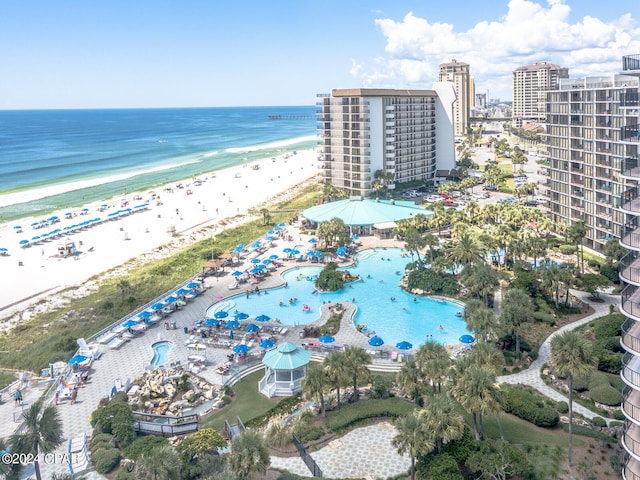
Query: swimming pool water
[406, 318]
[160, 353]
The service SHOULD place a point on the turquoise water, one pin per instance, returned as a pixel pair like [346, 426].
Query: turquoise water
[402, 319]
[160, 353]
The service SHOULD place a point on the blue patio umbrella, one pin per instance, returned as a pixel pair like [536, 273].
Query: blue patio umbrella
[404, 346]
[254, 270]
[269, 238]
[241, 348]
[252, 328]
[145, 314]
[77, 359]
[23, 242]
[260, 267]
[466, 339]
[319, 253]
[266, 261]
[240, 316]
[326, 339]
[376, 341]
[273, 257]
[341, 251]
[237, 250]
[295, 252]
[232, 324]
[267, 343]
[171, 299]
[129, 323]
[256, 244]
[37, 237]
[312, 240]
[354, 237]
[263, 318]
[18, 227]
[281, 224]
[157, 306]
[237, 273]
[182, 291]
[241, 245]
[221, 314]
[271, 232]
[2, 249]
[211, 322]
[193, 285]
[287, 250]
[255, 260]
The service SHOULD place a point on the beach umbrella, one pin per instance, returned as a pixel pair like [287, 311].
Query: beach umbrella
[312, 240]
[182, 291]
[319, 253]
[37, 237]
[211, 322]
[170, 299]
[237, 250]
[23, 242]
[252, 328]
[237, 273]
[295, 252]
[241, 348]
[193, 285]
[18, 227]
[341, 251]
[376, 341]
[240, 316]
[466, 339]
[129, 323]
[404, 346]
[281, 224]
[269, 238]
[263, 318]
[241, 245]
[2, 249]
[145, 314]
[271, 232]
[76, 359]
[355, 237]
[232, 324]
[260, 267]
[310, 253]
[221, 314]
[267, 343]
[287, 250]
[157, 306]
[255, 260]
[256, 244]
[266, 261]
[273, 257]
[254, 270]
[326, 339]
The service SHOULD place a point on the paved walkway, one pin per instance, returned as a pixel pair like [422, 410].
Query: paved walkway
[362, 453]
[531, 376]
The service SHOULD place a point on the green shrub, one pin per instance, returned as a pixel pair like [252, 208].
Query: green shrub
[597, 379]
[581, 382]
[607, 326]
[588, 432]
[610, 362]
[330, 278]
[349, 415]
[226, 399]
[102, 440]
[105, 459]
[307, 432]
[443, 467]
[562, 407]
[606, 395]
[380, 387]
[544, 317]
[599, 422]
[125, 474]
[142, 445]
[282, 407]
[567, 249]
[432, 282]
[523, 403]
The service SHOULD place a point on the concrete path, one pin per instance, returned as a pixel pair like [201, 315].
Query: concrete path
[531, 376]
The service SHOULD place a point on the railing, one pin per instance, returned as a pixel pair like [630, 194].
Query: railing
[628, 374]
[631, 444]
[630, 306]
[164, 425]
[630, 133]
[628, 407]
[630, 268]
[306, 457]
[631, 466]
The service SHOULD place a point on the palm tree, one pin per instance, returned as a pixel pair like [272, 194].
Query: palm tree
[414, 242]
[575, 234]
[431, 241]
[42, 432]
[570, 356]
[517, 309]
[434, 363]
[412, 438]
[410, 379]
[160, 463]
[442, 420]
[465, 251]
[334, 366]
[357, 361]
[266, 216]
[314, 383]
[249, 455]
[481, 321]
[481, 280]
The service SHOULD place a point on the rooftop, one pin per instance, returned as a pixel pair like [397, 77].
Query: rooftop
[359, 211]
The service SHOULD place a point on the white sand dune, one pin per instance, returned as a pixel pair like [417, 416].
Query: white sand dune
[27, 273]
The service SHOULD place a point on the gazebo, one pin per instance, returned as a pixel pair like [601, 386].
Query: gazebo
[286, 367]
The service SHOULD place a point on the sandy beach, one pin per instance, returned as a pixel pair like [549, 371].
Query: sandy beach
[175, 216]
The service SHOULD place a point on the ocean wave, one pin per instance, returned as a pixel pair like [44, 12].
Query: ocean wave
[271, 145]
[210, 154]
[32, 194]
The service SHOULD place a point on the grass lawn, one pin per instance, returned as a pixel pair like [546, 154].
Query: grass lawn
[247, 404]
[6, 378]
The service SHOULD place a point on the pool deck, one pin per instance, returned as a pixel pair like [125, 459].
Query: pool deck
[131, 359]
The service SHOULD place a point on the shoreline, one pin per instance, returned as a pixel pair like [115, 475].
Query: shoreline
[174, 215]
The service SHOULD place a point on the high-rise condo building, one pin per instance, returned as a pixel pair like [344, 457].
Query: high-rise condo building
[530, 84]
[586, 155]
[372, 137]
[628, 133]
[458, 74]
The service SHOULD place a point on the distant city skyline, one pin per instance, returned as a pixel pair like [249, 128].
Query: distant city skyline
[206, 54]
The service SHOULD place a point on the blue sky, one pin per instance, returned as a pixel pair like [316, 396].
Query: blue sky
[167, 53]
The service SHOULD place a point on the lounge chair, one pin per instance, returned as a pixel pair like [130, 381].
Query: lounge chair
[394, 356]
[107, 337]
[117, 342]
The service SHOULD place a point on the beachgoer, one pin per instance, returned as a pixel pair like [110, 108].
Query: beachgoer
[415, 299]
[56, 399]
[74, 395]
[17, 397]
[440, 327]
[393, 299]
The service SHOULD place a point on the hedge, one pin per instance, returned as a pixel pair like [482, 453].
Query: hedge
[588, 432]
[523, 403]
[350, 414]
[105, 459]
[286, 405]
[606, 395]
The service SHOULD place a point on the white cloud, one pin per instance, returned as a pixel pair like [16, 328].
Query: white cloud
[528, 32]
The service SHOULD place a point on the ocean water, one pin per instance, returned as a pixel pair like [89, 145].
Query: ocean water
[56, 159]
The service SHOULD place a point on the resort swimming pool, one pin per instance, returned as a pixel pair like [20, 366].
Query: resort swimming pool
[160, 353]
[407, 318]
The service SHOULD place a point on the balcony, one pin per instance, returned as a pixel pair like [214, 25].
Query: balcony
[631, 370]
[631, 404]
[630, 202]
[631, 168]
[630, 339]
[631, 236]
[631, 439]
[631, 63]
[630, 133]
[631, 469]
[630, 268]
[629, 99]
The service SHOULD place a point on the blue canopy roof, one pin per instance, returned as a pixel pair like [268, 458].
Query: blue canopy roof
[360, 211]
[286, 357]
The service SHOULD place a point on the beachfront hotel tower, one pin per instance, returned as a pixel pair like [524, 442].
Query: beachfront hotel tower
[458, 74]
[629, 139]
[396, 135]
[530, 84]
[586, 154]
